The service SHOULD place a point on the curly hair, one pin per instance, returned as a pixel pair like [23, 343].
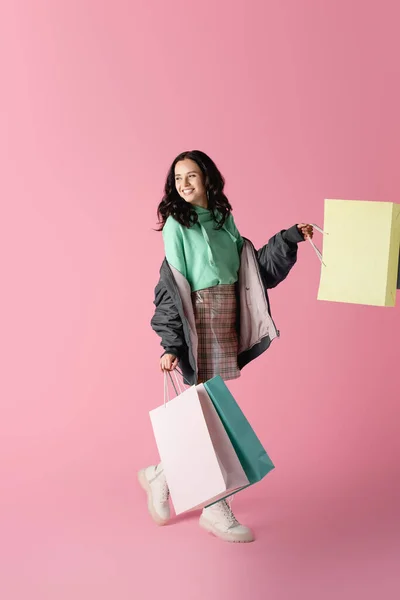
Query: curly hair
[173, 205]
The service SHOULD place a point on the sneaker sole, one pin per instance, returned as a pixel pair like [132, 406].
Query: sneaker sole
[238, 538]
[145, 485]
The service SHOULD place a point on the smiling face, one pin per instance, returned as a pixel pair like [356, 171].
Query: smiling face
[189, 182]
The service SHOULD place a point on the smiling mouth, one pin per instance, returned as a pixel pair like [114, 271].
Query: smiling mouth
[188, 192]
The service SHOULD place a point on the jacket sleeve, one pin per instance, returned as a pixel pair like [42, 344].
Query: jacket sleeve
[166, 322]
[277, 258]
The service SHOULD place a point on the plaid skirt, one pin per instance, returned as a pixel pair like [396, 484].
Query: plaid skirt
[215, 312]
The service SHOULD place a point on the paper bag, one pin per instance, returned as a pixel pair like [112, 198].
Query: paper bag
[254, 459]
[360, 252]
[198, 458]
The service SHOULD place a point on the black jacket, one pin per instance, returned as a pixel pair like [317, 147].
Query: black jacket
[260, 270]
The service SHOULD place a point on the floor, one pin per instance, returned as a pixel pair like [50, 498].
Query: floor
[95, 540]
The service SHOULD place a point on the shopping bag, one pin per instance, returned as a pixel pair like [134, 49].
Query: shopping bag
[199, 461]
[253, 457]
[360, 252]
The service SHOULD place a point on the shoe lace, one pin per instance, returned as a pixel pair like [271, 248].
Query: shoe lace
[164, 487]
[164, 493]
[227, 511]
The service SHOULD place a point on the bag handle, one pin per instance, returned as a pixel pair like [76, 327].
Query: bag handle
[317, 251]
[178, 388]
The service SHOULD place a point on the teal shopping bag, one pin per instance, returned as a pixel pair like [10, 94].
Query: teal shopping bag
[254, 459]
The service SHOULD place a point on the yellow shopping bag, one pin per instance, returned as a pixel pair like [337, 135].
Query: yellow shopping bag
[361, 252]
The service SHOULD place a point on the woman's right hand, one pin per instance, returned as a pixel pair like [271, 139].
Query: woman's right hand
[168, 362]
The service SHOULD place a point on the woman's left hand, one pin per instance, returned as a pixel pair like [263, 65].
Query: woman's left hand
[306, 230]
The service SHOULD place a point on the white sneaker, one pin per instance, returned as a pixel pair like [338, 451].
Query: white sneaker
[219, 520]
[155, 485]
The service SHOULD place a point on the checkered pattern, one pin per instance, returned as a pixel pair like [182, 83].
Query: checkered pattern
[216, 312]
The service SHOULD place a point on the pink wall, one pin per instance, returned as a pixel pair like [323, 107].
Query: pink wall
[296, 100]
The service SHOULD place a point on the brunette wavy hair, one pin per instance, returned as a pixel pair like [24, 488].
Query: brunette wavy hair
[173, 205]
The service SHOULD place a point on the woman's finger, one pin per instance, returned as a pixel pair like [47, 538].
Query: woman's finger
[307, 231]
[168, 363]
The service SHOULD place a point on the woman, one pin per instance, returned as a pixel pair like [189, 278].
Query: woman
[212, 309]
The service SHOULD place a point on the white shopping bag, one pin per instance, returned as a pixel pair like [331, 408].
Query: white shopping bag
[198, 458]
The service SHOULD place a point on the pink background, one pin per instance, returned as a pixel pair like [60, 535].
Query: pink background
[296, 100]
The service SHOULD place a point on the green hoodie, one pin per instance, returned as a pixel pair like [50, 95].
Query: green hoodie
[206, 256]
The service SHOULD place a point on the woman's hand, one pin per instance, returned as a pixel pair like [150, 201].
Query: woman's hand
[306, 230]
[168, 362]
